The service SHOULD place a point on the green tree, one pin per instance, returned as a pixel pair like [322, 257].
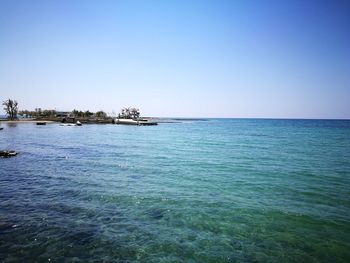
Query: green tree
[49, 113]
[11, 108]
[101, 114]
[75, 112]
[88, 113]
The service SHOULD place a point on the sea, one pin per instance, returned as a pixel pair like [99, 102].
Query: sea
[211, 190]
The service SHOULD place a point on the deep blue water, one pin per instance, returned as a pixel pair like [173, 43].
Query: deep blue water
[231, 190]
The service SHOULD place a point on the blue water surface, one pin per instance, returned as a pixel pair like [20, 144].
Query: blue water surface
[220, 190]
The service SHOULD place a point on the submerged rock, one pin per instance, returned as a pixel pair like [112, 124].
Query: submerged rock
[6, 226]
[7, 154]
[156, 213]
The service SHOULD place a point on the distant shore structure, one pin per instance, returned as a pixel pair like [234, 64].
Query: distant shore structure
[131, 116]
[141, 122]
[127, 116]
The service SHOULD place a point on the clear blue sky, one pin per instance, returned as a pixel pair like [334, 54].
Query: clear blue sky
[179, 58]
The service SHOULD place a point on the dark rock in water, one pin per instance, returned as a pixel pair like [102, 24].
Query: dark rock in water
[41, 123]
[156, 213]
[7, 154]
[1, 128]
[82, 237]
[6, 226]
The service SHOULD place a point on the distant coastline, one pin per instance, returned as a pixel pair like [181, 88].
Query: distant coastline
[24, 121]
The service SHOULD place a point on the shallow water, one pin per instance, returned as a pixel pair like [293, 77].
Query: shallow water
[222, 190]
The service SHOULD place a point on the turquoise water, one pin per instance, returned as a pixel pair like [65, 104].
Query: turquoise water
[203, 191]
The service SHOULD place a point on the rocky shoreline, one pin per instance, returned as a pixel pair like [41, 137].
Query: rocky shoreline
[7, 154]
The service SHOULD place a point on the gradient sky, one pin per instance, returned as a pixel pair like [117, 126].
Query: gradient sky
[277, 59]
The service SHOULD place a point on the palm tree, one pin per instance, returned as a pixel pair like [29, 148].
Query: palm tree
[127, 113]
[135, 113]
[122, 114]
